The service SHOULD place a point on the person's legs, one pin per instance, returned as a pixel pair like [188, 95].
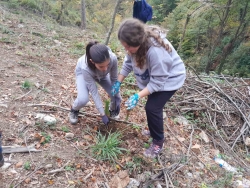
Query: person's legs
[115, 100]
[154, 110]
[81, 100]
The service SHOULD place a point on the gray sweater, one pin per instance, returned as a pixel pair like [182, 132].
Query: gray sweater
[163, 70]
[91, 77]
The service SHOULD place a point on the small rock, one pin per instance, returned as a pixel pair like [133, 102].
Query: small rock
[49, 120]
[204, 136]
[181, 120]
[189, 174]
[133, 183]
[89, 104]
[20, 25]
[34, 182]
[247, 141]
[49, 166]
[120, 180]
[215, 152]
[69, 136]
[12, 171]
[5, 166]
[164, 115]
[201, 165]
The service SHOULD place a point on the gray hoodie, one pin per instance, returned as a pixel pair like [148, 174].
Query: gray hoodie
[91, 77]
[163, 70]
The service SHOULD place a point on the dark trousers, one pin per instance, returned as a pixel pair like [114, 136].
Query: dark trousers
[154, 110]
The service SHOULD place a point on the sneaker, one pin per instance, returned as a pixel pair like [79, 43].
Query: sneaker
[145, 132]
[155, 149]
[114, 114]
[73, 116]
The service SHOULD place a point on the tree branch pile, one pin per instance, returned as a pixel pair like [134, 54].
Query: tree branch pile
[221, 106]
[218, 105]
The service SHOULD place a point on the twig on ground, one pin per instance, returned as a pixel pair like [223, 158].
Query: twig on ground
[37, 168]
[58, 170]
[190, 141]
[164, 172]
[29, 150]
[83, 152]
[23, 95]
[4, 105]
[88, 175]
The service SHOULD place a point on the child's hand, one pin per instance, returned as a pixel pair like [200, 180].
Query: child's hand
[115, 88]
[132, 101]
[105, 120]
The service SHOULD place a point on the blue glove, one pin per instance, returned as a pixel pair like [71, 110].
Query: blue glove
[132, 101]
[115, 88]
[105, 120]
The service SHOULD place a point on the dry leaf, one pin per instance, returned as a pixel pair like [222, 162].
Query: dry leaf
[38, 146]
[88, 137]
[39, 172]
[181, 139]
[118, 167]
[28, 180]
[71, 182]
[64, 87]
[51, 182]
[96, 128]
[196, 148]
[59, 162]
[19, 164]
[37, 136]
[42, 140]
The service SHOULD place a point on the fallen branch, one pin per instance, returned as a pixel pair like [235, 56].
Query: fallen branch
[19, 149]
[49, 105]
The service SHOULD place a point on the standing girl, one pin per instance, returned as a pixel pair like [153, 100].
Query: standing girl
[99, 65]
[159, 72]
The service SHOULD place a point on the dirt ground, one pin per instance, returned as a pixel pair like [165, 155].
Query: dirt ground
[44, 54]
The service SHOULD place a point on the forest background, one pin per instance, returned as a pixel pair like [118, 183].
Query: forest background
[211, 36]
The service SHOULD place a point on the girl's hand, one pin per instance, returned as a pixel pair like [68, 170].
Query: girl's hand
[105, 120]
[132, 101]
[115, 88]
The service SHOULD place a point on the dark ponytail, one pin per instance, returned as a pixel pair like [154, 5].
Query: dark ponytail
[97, 52]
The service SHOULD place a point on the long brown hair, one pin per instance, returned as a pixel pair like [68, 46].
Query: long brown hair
[135, 33]
[97, 52]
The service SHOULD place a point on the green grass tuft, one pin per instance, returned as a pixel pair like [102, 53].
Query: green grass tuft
[107, 147]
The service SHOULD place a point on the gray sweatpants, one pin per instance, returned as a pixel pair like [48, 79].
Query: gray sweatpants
[83, 92]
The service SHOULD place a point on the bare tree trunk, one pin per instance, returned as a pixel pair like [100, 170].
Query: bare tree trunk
[113, 21]
[43, 9]
[219, 37]
[184, 32]
[83, 15]
[185, 27]
[238, 34]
